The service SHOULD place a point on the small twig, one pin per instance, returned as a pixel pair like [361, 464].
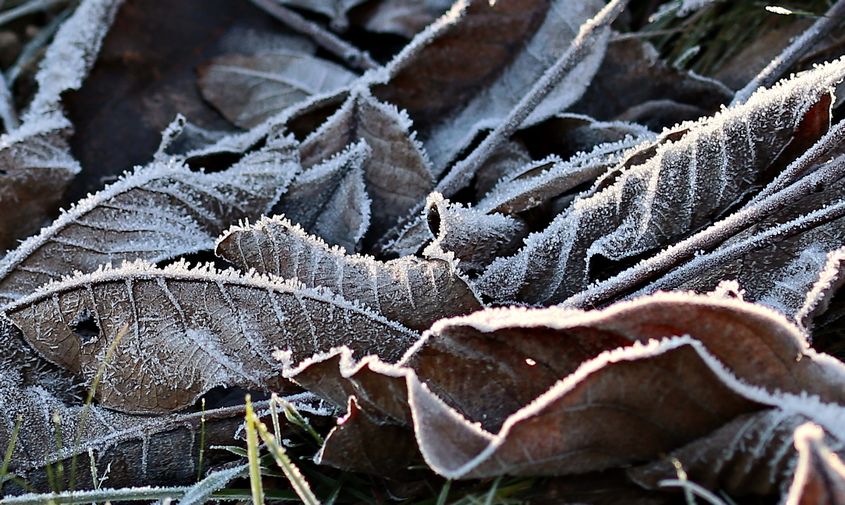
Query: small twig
[322, 37]
[793, 52]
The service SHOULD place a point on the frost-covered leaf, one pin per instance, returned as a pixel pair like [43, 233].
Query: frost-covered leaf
[138, 450]
[751, 455]
[156, 213]
[686, 183]
[409, 290]
[397, 173]
[247, 89]
[503, 49]
[330, 199]
[506, 160]
[400, 17]
[189, 330]
[35, 168]
[786, 259]
[35, 160]
[473, 237]
[558, 391]
[820, 474]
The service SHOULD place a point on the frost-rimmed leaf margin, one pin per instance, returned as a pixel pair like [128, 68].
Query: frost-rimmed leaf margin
[194, 230]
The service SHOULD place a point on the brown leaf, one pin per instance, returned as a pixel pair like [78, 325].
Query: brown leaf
[469, 69]
[392, 456]
[248, 89]
[632, 75]
[680, 189]
[533, 392]
[397, 175]
[189, 330]
[36, 165]
[411, 291]
[331, 200]
[156, 213]
[820, 474]
[751, 455]
[147, 68]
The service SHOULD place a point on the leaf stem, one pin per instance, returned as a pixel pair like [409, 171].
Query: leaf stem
[322, 37]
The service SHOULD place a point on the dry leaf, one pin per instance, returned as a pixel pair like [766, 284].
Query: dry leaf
[156, 213]
[331, 199]
[411, 291]
[267, 83]
[35, 161]
[190, 330]
[533, 392]
[397, 174]
[681, 188]
[465, 72]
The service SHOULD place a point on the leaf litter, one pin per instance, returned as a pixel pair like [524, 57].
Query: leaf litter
[518, 244]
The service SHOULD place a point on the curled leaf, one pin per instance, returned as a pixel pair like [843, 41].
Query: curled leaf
[397, 174]
[687, 182]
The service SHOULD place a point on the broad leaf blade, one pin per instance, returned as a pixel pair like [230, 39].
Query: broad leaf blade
[411, 291]
[190, 330]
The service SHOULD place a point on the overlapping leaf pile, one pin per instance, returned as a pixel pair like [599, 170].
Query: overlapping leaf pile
[460, 251]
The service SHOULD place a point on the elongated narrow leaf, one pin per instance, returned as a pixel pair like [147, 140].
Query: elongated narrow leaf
[411, 291]
[190, 330]
[397, 174]
[267, 83]
[331, 199]
[681, 188]
[155, 213]
[506, 47]
[793, 242]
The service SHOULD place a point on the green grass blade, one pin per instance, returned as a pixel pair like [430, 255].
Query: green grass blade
[252, 455]
[300, 485]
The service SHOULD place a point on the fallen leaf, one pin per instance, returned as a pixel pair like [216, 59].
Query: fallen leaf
[248, 89]
[190, 330]
[688, 182]
[157, 212]
[397, 174]
[331, 199]
[412, 291]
